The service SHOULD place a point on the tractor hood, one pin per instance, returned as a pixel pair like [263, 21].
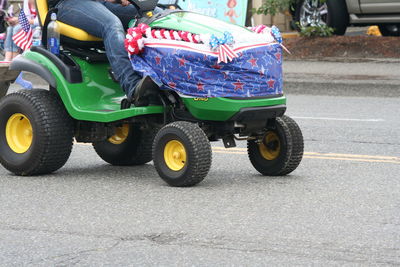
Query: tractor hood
[249, 66]
[195, 23]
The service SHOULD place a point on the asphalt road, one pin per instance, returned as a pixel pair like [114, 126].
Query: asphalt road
[340, 207]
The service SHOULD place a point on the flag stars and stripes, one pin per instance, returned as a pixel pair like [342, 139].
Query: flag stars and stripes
[262, 71]
[278, 56]
[238, 85]
[253, 62]
[23, 38]
[172, 85]
[216, 66]
[271, 83]
[189, 73]
[226, 74]
[158, 60]
[200, 86]
[182, 62]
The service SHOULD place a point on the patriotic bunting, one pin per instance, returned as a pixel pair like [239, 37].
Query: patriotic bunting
[208, 65]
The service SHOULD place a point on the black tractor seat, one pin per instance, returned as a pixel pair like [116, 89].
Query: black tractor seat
[90, 54]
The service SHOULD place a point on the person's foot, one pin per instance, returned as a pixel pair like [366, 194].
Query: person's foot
[140, 94]
[145, 87]
[125, 104]
[24, 83]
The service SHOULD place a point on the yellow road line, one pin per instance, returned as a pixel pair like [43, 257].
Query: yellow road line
[354, 159]
[229, 149]
[351, 156]
[312, 155]
[317, 155]
[230, 152]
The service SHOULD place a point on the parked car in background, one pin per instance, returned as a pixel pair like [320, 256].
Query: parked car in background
[339, 14]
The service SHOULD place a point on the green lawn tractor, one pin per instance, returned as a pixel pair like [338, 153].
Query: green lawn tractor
[83, 103]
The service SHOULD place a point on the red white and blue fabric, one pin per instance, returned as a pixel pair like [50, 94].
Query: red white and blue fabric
[194, 71]
[23, 38]
[223, 47]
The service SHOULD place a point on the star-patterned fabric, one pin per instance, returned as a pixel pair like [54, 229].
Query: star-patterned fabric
[192, 72]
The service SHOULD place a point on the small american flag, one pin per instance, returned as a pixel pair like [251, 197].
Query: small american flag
[23, 38]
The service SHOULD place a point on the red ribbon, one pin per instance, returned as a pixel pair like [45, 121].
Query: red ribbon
[226, 54]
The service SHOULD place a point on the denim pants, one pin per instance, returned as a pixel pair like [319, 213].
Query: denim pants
[9, 45]
[103, 19]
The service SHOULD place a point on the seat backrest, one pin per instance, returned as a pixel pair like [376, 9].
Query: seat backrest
[42, 8]
[65, 30]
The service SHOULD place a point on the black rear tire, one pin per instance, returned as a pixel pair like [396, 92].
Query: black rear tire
[390, 29]
[193, 143]
[51, 132]
[287, 153]
[337, 17]
[135, 150]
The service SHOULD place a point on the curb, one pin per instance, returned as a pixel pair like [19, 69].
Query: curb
[341, 89]
[344, 59]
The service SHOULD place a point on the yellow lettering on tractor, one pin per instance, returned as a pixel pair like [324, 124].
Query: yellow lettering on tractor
[200, 99]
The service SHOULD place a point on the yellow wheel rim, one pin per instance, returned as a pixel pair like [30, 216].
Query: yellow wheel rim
[19, 133]
[272, 149]
[120, 136]
[175, 155]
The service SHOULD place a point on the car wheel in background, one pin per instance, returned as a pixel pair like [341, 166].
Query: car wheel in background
[330, 12]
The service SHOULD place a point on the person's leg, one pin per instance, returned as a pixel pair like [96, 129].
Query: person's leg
[14, 48]
[124, 13]
[96, 19]
[8, 56]
[8, 44]
[14, 55]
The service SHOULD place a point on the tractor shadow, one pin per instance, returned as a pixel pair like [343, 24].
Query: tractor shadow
[144, 174]
[147, 174]
[249, 179]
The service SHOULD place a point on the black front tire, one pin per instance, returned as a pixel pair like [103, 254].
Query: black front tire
[194, 144]
[136, 149]
[50, 128]
[286, 156]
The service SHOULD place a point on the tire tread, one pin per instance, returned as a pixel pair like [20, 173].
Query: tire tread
[201, 154]
[55, 131]
[297, 146]
[294, 150]
[129, 156]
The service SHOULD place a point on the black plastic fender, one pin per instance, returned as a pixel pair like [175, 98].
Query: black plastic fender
[23, 64]
[4, 85]
[7, 77]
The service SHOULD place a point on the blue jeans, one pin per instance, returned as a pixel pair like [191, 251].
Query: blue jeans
[9, 45]
[103, 19]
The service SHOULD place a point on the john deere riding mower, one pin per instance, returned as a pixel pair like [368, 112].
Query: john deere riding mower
[211, 88]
